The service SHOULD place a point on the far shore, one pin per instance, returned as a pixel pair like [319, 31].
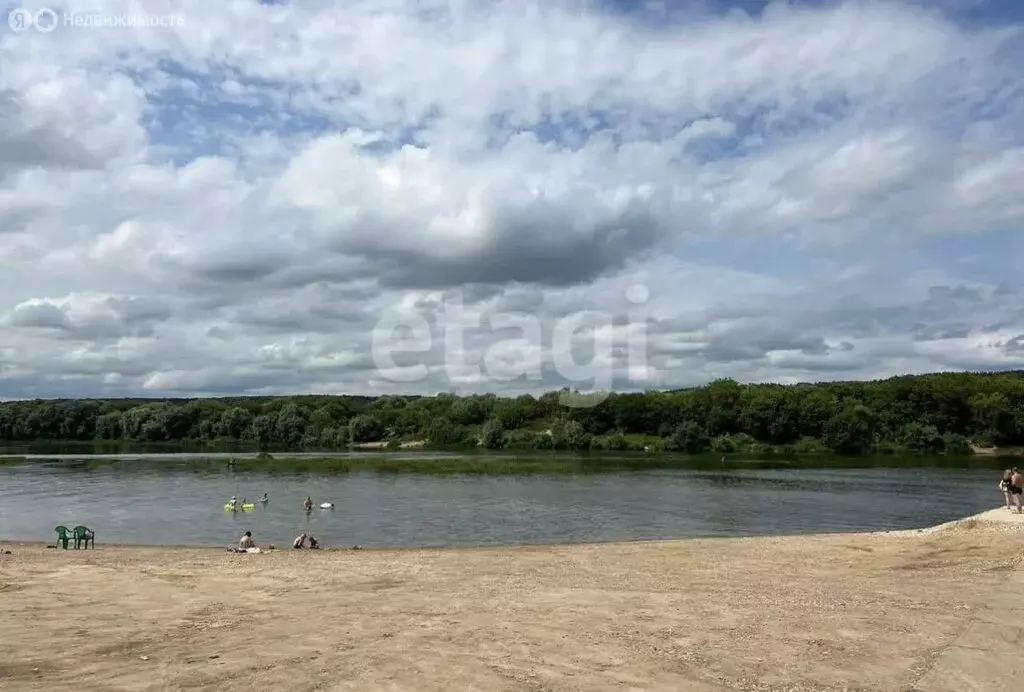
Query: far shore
[197, 448]
[922, 609]
[416, 458]
[411, 444]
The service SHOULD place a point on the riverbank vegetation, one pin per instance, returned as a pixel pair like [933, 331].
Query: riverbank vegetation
[463, 464]
[946, 413]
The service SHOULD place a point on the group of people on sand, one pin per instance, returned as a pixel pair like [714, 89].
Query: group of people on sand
[247, 544]
[1011, 485]
[300, 542]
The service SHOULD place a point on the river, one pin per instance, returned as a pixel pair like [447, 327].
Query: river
[140, 499]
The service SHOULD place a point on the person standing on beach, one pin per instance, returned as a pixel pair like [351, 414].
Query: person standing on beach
[1004, 486]
[1016, 481]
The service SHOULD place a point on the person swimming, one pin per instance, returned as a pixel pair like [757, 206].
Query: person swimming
[233, 503]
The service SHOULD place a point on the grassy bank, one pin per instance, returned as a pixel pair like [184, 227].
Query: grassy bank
[507, 464]
[517, 442]
[423, 464]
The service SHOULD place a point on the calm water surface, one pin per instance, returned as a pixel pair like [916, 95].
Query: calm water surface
[137, 500]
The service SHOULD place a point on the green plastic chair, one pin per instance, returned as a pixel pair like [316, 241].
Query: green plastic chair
[62, 536]
[84, 535]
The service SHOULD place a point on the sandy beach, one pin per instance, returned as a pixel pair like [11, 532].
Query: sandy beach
[899, 611]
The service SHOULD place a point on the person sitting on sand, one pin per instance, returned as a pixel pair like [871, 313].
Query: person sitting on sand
[246, 541]
[308, 504]
[313, 544]
[300, 541]
[1004, 486]
[1016, 481]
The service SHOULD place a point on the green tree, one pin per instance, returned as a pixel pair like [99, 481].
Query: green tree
[689, 437]
[235, 422]
[471, 410]
[263, 428]
[570, 435]
[492, 434]
[850, 432]
[954, 444]
[992, 416]
[923, 439]
[365, 428]
[109, 426]
[443, 432]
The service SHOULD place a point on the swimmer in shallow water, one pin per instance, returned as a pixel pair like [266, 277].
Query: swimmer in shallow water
[308, 504]
[264, 499]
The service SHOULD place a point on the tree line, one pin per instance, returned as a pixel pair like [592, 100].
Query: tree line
[937, 413]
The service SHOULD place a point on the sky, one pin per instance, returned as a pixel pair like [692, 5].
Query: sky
[388, 196]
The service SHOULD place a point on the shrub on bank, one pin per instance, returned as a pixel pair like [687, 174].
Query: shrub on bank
[956, 445]
[810, 445]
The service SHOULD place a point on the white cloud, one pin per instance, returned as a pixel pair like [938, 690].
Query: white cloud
[230, 204]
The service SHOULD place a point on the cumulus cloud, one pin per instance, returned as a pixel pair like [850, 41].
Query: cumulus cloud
[247, 198]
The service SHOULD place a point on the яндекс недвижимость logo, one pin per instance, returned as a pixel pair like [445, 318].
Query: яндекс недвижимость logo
[45, 20]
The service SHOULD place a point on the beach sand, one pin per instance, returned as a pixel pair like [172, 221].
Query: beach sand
[899, 611]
